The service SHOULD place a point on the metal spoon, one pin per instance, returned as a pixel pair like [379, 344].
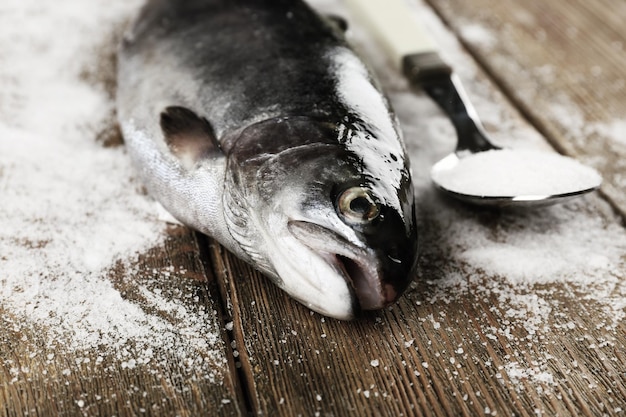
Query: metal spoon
[478, 171]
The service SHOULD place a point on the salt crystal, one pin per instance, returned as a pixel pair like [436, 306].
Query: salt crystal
[93, 190]
[510, 173]
[374, 363]
[614, 130]
[71, 209]
[479, 35]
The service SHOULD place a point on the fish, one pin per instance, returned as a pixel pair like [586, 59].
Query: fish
[256, 123]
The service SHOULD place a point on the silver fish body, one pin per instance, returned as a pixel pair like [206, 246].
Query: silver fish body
[253, 122]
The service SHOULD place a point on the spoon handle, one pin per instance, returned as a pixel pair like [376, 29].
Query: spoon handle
[394, 25]
[411, 48]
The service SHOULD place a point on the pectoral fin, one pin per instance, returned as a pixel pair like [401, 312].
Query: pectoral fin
[189, 136]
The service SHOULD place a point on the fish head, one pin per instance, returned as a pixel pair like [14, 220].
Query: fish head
[338, 237]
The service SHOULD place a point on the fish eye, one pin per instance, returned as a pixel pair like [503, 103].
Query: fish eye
[357, 206]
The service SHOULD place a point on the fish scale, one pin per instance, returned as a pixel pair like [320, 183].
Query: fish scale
[233, 113]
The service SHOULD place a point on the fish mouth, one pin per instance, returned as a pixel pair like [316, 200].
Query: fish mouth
[358, 266]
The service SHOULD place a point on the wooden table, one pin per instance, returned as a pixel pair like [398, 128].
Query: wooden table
[449, 347]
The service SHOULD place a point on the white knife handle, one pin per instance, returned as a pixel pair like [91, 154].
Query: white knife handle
[393, 24]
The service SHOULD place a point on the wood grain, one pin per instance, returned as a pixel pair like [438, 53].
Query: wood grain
[471, 345]
[445, 349]
[563, 65]
[460, 343]
[37, 378]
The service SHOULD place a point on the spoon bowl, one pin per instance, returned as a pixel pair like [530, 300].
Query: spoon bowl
[513, 178]
[481, 173]
[478, 171]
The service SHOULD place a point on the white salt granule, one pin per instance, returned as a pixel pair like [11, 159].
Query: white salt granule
[478, 34]
[615, 130]
[511, 173]
[70, 209]
[529, 262]
[516, 372]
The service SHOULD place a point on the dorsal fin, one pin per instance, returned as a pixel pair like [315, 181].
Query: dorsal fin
[189, 136]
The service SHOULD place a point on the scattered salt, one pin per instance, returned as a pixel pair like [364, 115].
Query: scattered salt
[479, 35]
[514, 258]
[60, 189]
[71, 209]
[615, 130]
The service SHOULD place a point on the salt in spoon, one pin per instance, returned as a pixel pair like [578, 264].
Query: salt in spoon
[478, 171]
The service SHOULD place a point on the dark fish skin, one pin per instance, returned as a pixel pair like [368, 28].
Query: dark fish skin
[252, 53]
[254, 122]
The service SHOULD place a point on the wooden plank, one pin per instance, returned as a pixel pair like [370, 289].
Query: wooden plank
[562, 63]
[434, 353]
[471, 345]
[184, 377]
[176, 362]
[461, 342]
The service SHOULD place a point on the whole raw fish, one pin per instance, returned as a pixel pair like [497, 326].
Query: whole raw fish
[255, 123]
